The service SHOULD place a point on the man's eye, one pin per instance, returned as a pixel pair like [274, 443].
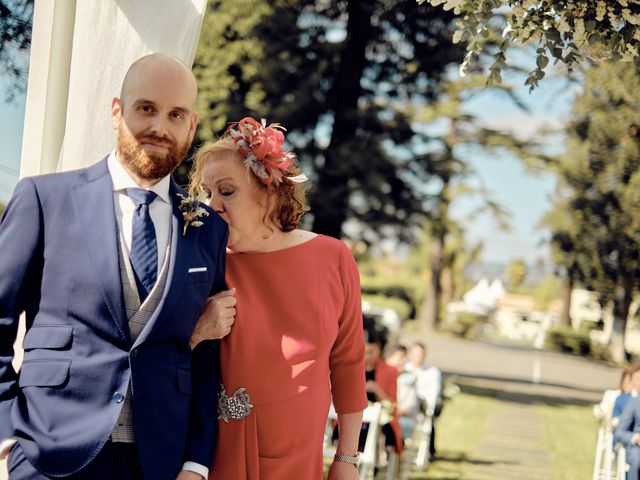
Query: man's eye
[146, 108]
[177, 115]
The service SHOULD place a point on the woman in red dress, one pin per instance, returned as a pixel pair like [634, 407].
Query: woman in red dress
[297, 341]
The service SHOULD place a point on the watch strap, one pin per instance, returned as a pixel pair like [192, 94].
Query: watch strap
[352, 459]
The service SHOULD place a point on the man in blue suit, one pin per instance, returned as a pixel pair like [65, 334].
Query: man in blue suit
[628, 430]
[112, 266]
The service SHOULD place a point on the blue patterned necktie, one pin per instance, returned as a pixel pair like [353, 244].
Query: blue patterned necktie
[144, 249]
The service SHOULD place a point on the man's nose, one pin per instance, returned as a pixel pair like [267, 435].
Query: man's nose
[159, 126]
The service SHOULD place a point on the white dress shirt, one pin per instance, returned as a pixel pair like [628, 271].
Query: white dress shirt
[428, 384]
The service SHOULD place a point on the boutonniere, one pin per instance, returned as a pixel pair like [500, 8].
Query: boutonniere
[192, 212]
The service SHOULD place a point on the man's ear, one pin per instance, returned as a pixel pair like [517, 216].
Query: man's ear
[116, 112]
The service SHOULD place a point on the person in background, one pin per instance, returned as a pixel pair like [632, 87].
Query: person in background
[398, 358]
[628, 430]
[428, 386]
[628, 389]
[408, 405]
[382, 386]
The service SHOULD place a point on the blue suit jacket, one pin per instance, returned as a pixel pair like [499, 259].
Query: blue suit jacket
[629, 422]
[59, 264]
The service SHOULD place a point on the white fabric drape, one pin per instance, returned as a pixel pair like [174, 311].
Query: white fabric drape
[81, 51]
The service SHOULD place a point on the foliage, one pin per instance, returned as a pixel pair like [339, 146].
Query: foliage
[403, 308]
[547, 290]
[338, 75]
[15, 41]
[594, 223]
[458, 132]
[467, 325]
[404, 290]
[563, 338]
[516, 271]
[564, 31]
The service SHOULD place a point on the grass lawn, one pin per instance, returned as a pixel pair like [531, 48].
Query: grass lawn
[459, 431]
[571, 435]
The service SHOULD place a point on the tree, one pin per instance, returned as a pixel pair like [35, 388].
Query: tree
[565, 31]
[339, 75]
[15, 41]
[597, 208]
[462, 132]
[516, 272]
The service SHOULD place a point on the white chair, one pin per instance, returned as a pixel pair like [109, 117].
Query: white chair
[603, 464]
[621, 463]
[369, 455]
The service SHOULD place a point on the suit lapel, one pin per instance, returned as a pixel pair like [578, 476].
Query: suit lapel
[182, 247]
[93, 202]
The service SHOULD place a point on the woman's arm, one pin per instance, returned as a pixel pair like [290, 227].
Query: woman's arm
[349, 428]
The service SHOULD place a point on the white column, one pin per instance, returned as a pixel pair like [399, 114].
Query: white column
[48, 87]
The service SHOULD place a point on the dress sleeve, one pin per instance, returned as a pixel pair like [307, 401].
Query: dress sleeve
[347, 355]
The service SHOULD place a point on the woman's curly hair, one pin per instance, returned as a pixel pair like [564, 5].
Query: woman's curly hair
[290, 203]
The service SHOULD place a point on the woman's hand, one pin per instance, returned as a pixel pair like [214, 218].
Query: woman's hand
[343, 471]
[217, 318]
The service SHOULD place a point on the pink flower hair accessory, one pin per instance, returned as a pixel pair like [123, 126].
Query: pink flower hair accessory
[261, 147]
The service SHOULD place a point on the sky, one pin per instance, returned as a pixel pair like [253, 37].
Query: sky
[11, 120]
[526, 195]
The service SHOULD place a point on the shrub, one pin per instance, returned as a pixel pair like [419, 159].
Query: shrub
[400, 306]
[466, 324]
[408, 291]
[565, 339]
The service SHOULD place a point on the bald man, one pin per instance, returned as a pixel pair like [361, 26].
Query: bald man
[112, 277]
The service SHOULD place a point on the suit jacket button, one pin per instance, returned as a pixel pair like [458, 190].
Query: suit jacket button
[118, 397]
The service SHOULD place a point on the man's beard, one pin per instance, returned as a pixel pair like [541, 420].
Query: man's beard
[148, 165]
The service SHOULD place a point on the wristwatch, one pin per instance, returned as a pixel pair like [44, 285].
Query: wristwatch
[352, 459]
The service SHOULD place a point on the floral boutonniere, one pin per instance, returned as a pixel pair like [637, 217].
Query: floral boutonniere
[192, 212]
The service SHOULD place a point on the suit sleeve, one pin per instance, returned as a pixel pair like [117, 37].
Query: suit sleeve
[205, 368]
[346, 360]
[20, 271]
[625, 430]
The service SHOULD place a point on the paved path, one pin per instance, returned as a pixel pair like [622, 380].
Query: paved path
[513, 440]
[519, 369]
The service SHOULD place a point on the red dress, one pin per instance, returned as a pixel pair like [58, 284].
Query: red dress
[297, 343]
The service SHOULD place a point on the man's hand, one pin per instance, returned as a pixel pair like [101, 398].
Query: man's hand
[343, 471]
[187, 475]
[635, 440]
[217, 318]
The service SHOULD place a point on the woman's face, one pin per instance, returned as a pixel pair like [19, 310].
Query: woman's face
[234, 195]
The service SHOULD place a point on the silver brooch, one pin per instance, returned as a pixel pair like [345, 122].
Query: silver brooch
[234, 407]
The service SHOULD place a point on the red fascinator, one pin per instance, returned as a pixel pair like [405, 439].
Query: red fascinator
[261, 147]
